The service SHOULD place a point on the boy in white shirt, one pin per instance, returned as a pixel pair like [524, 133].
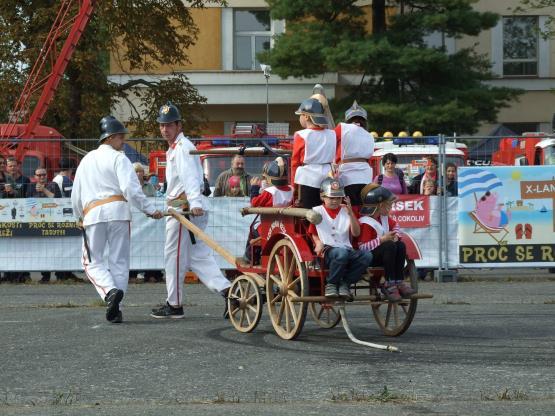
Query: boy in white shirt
[332, 240]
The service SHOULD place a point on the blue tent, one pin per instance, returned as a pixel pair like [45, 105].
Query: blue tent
[133, 155]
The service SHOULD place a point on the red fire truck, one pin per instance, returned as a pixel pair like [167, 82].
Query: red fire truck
[530, 149]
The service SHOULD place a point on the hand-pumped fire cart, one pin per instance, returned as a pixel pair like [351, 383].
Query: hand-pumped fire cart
[289, 278]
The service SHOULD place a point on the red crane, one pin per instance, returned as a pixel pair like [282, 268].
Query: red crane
[72, 19]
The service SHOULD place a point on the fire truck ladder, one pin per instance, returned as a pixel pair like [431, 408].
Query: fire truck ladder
[48, 69]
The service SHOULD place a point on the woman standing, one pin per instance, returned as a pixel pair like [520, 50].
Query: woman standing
[451, 187]
[430, 172]
[391, 178]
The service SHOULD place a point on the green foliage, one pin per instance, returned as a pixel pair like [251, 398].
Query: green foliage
[405, 84]
[182, 94]
[532, 7]
[85, 94]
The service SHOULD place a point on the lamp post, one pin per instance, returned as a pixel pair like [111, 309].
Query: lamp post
[267, 69]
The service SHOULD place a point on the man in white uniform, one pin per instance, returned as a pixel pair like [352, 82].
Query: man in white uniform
[184, 178]
[104, 183]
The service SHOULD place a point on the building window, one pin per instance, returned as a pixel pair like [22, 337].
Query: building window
[520, 46]
[252, 34]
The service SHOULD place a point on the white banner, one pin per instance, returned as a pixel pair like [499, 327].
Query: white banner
[226, 226]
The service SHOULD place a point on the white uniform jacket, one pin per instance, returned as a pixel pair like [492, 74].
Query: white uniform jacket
[102, 173]
[280, 198]
[334, 232]
[184, 173]
[319, 154]
[355, 143]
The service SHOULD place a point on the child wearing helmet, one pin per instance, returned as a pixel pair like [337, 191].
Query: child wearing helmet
[354, 148]
[379, 234]
[313, 153]
[332, 240]
[277, 193]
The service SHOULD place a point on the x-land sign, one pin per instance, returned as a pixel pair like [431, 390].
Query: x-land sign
[539, 190]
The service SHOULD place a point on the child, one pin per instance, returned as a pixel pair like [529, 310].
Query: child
[379, 234]
[332, 240]
[314, 150]
[234, 186]
[429, 187]
[277, 193]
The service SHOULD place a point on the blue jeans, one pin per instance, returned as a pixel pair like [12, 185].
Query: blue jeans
[346, 264]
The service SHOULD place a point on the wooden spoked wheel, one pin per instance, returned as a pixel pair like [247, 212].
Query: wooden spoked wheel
[244, 303]
[395, 318]
[325, 315]
[285, 280]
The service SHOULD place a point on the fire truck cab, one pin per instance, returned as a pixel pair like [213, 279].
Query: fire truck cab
[530, 149]
[544, 153]
[410, 156]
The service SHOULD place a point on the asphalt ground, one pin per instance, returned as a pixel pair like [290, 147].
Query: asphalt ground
[476, 348]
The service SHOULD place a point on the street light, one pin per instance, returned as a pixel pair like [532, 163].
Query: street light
[267, 69]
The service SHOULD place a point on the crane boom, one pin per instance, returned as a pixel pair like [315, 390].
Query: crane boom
[44, 77]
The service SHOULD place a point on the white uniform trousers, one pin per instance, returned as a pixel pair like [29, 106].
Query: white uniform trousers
[110, 271]
[181, 256]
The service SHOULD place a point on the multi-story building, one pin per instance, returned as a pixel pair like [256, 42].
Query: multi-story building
[224, 69]
[521, 57]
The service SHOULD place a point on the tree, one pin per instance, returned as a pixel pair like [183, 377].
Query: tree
[533, 6]
[405, 84]
[85, 94]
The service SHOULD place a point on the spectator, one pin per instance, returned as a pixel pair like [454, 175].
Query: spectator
[391, 178]
[451, 185]
[429, 187]
[15, 187]
[234, 186]
[148, 187]
[42, 188]
[65, 185]
[417, 184]
[2, 175]
[16, 183]
[237, 169]
[149, 190]
[63, 178]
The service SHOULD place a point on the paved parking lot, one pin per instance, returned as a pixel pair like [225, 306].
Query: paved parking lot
[476, 348]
